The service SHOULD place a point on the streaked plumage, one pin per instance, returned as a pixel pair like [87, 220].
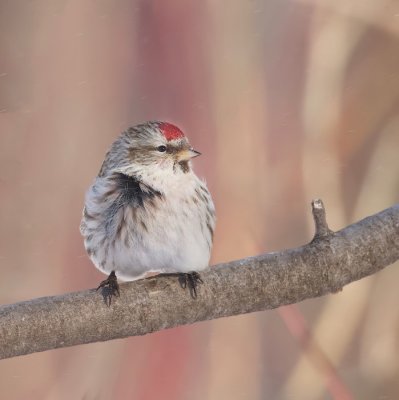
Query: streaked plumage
[147, 211]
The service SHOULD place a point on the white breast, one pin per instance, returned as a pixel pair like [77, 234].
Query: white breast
[174, 234]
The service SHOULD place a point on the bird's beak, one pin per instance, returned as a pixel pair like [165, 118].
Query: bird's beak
[188, 154]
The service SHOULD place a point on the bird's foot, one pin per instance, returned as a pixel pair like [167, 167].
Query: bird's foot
[110, 288]
[190, 280]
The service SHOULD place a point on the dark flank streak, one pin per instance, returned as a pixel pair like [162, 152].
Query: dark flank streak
[106, 251]
[126, 241]
[101, 242]
[110, 192]
[119, 230]
[131, 193]
[210, 229]
[208, 224]
[201, 196]
[143, 225]
[88, 216]
[204, 190]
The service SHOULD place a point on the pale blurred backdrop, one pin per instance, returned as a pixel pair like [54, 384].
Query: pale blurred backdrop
[287, 101]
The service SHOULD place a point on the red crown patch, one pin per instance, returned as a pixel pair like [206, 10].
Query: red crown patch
[170, 131]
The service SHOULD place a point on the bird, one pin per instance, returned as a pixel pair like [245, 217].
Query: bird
[147, 211]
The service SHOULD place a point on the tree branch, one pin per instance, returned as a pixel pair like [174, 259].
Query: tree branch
[267, 281]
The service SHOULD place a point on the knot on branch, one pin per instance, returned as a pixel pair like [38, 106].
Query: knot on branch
[319, 216]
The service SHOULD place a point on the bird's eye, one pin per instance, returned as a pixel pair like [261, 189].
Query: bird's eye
[161, 149]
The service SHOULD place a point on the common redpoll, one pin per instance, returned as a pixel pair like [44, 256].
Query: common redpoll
[147, 211]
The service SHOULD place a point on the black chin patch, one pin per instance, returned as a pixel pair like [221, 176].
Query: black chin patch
[184, 166]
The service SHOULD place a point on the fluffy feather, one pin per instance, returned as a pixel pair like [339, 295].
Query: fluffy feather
[147, 211]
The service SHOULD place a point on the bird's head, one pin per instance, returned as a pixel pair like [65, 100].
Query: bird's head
[151, 145]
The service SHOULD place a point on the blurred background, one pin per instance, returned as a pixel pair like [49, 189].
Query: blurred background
[287, 101]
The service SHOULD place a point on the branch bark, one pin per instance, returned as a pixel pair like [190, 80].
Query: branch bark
[329, 262]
